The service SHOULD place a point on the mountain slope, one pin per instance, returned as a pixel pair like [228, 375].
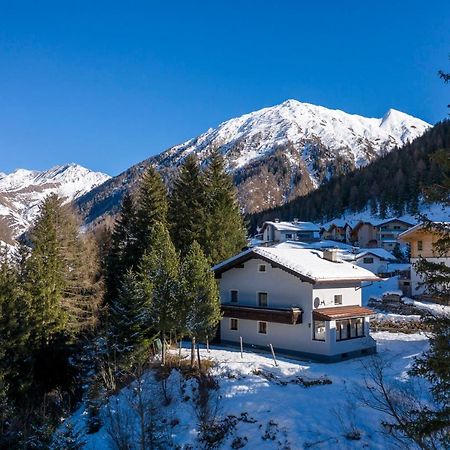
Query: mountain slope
[391, 185]
[22, 191]
[275, 154]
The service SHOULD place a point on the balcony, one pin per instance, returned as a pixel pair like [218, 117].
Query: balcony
[290, 316]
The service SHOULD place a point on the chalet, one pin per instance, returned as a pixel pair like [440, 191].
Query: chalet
[421, 241]
[338, 230]
[290, 231]
[389, 230]
[377, 260]
[382, 234]
[304, 302]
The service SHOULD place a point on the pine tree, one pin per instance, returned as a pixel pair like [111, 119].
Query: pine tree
[128, 320]
[187, 206]
[161, 267]
[44, 274]
[224, 224]
[14, 320]
[201, 295]
[151, 207]
[121, 255]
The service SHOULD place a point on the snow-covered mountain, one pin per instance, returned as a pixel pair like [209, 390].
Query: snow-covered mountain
[22, 191]
[276, 153]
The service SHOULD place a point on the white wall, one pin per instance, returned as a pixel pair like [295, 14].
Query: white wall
[286, 290]
[415, 277]
[373, 267]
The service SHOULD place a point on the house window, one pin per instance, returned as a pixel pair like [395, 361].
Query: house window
[319, 330]
[262, 299]
[349, 329]
[234, 324]
[233, 296]
[368, 260]
[419, 246]
[397, 227]
[288, 235]
[262, 268]
[262, 327]
[338, 299]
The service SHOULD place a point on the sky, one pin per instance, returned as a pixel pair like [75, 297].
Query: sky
[108, 84]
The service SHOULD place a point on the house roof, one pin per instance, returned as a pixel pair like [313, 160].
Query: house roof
[378, 252]
[307, 264]
[292, 226]
[379, 223]
[342, 312]
[339, 223]
[417, 228]
[315, 245]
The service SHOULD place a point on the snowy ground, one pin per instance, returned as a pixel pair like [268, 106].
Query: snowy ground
[271, 410]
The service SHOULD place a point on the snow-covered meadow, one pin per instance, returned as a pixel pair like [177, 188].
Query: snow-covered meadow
[266, 406]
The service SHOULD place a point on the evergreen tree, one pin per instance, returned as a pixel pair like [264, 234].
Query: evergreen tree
[187, 206]
[201, 295]
[161, 267]
[121, 255]
[13, 327]
[129, 319]
[224, 224]
[151, 207]
[44, 275]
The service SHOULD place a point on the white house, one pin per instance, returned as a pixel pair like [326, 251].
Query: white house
[304, 302]
[377, 260]
[290, 231]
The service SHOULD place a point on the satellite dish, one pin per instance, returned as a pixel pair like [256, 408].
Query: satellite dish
[316, 302]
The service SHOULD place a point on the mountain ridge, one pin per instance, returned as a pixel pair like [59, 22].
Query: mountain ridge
[275, 154]
[23, 190]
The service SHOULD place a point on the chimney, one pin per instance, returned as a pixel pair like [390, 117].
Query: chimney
[331, 254]
[277, 220]
[295, 220]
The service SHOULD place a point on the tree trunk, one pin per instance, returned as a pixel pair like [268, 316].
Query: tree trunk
[163, 349]
[198, 356]
[192, 352]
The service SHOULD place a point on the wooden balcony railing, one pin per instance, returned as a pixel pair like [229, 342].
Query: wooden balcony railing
[290, 316]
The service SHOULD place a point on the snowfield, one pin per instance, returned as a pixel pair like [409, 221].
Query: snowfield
[269, 407]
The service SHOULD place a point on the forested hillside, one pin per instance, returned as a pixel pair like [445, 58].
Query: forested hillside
[392, 183]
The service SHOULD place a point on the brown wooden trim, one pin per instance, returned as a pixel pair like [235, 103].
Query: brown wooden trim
[291, 316]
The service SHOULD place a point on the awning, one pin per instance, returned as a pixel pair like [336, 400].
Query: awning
[342, 312]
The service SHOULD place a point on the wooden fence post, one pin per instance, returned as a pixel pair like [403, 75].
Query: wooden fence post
[273, 354]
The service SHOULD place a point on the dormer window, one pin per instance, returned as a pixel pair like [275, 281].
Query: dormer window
[262, 268]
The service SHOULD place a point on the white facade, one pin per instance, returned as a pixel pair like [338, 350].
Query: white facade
[416, 288]
[286, 290]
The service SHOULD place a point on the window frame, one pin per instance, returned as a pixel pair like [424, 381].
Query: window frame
[341, 299]
[231, 296]
[230, 327]
[366, 260]
[315, 338]
[258, 299]
[262, 265]
[258, 329]
[420, 246]
[351, 332]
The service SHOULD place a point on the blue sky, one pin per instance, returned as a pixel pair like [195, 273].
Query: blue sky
[107, 84]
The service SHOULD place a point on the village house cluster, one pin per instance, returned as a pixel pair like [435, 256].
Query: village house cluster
[298, 286]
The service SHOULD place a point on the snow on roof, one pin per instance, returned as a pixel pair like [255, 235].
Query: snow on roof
[379, 252]
[378, 223]
[306, 263]
[314, 245]
[293, 226]
[340, 223]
